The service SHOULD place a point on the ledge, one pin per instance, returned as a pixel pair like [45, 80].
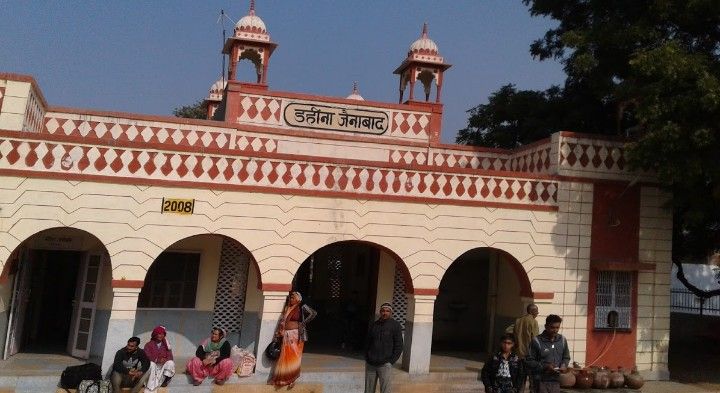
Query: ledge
[625, 266]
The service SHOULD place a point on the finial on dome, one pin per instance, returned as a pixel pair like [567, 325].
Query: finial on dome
[425, 30]
[252, 7]
[355, 95]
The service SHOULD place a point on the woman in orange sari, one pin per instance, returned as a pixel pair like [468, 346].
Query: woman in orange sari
[293, 333]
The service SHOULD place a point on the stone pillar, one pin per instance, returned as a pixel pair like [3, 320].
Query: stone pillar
[273, 302]
[121, 324]
[418, 334]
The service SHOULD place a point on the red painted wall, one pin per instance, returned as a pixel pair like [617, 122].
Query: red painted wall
[615, 238]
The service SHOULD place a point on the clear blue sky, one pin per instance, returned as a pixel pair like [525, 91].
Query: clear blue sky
[151, 56]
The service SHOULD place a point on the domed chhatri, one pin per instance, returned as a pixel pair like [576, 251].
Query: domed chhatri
[217, 89]
[251, 41]
[423, 64]
[355, 95]
[251, 27]
[215, 97]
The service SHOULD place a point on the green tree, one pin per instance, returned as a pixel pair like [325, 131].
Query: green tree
[197, 110]
[647, 69]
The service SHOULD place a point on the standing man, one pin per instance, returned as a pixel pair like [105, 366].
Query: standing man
[525, 329]
[130, 367]
[383, 347]
[549, 355]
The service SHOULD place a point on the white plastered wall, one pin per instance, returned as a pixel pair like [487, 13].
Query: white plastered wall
[282, 231]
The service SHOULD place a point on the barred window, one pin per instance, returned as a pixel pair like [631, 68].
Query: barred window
[171, 281]
[613, 293]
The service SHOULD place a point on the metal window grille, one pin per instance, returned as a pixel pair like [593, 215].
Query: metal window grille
[399, 300]
[231, 286]
[614, 293]
[335, 274]
[171, 281]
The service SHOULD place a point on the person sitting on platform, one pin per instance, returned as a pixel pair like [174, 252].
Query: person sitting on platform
[162, 366]
[212, 359]
[130, 367]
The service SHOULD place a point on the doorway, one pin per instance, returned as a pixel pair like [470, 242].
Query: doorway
[52, 283]
[339, 281]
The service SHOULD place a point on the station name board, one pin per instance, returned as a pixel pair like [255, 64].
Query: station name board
[335, 118]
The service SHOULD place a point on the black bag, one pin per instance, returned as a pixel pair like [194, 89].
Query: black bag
[273, 349]
[73, 375]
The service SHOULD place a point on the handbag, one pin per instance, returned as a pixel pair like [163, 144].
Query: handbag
[73, 375]
[91, 386]
[273, 349]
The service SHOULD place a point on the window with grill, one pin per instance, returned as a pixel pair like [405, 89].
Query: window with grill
[613, 293]
[171, 281]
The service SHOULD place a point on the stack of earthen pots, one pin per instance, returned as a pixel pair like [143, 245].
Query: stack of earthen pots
[600, 378]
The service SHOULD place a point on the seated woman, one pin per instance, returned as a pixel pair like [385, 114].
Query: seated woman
[162, 366]
[212, 359]
[503, 372]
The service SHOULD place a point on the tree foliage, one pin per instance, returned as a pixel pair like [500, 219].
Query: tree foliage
[646, 69]
[197, 110]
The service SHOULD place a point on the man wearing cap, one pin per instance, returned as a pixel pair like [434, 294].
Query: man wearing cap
[383, 347]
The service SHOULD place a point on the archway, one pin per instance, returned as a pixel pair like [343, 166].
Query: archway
[480, 295]
[345, 282]
[196, 283]
[56, 282]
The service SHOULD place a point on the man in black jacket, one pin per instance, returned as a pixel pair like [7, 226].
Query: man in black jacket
[130, 367]
[383, 347]
[549, 356]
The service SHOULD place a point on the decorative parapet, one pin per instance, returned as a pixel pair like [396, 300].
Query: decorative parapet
[266, 153]
[594, 156]
[37, 156]
[338, 116]
[535, 158]
[114, 129]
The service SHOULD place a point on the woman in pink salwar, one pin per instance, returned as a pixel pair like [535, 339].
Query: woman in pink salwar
[212, 359]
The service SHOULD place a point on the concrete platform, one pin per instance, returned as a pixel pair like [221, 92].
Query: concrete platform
[322, 373]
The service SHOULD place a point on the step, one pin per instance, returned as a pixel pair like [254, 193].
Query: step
[312, 382]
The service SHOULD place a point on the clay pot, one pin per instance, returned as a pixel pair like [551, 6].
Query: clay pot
[617, 379]
[584, 379]
[567, 379]
[602, 379]
[634, 380]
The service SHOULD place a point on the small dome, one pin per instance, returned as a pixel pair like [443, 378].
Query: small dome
[251, 27]
[424, 44]
[217, 90]
[251, 23]
[355, 95]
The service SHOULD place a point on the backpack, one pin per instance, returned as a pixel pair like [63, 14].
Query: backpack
[73, 375]
[90, 386]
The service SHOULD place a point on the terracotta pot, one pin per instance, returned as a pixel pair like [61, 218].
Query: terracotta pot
[567, 379]
[617, 379]
[634, 380]
[584, 379]
[602, 379]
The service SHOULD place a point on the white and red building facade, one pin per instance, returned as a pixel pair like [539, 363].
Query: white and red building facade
[276, 176]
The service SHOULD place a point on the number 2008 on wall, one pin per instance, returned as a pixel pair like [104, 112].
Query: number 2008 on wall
[178, 206]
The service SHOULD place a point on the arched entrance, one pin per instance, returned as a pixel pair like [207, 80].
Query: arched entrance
[345, 282]
[197, 283]
[56, 281]
[480, 295]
